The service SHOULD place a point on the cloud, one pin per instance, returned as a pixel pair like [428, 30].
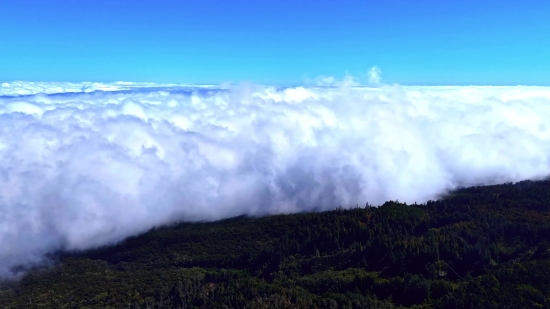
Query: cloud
[21, 88]
[80, 170]
[375, 75]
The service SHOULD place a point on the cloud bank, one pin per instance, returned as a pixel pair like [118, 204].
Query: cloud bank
[19, 88]
[80, 170]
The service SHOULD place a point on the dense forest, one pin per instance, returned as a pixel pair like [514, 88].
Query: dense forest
[478, 247]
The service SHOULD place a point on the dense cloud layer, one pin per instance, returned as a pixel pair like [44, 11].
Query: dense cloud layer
[27, 88]
[85, 169]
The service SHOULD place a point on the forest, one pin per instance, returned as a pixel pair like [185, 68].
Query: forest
[476, 247]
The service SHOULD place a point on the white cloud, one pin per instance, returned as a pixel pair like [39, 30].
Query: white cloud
[20, 88]
[84, 169]
[375, 75]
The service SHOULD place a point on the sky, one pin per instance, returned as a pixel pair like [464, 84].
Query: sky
[284, 42]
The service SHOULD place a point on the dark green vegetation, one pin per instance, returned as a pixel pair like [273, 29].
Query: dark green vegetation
[481, 247]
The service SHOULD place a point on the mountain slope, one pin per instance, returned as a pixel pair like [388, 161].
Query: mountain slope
[480, 247]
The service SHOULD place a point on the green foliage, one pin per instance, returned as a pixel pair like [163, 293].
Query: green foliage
[480, 247]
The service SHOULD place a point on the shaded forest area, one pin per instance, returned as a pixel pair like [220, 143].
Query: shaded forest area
[479, 247]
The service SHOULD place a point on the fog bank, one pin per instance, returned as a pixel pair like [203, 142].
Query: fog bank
[83, 169]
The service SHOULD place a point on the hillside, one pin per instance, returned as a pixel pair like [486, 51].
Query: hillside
[480, 247]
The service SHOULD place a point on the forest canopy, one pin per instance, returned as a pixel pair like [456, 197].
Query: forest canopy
[478, 247]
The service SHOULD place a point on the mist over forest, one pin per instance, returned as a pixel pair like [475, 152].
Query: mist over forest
[89, 164]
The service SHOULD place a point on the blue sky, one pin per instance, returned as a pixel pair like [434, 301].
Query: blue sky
[276, 42]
